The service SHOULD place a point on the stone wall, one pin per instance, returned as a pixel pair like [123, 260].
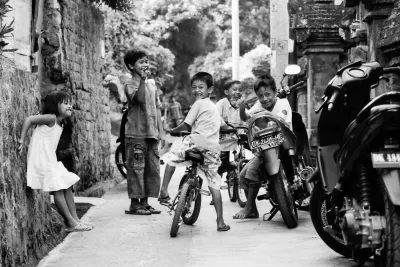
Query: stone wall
[28, 224]
[74, 34]
[70, 58]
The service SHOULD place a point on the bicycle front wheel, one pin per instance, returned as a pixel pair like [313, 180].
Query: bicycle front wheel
[183, 198]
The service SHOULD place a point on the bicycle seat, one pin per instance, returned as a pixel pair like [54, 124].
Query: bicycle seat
[195, 156]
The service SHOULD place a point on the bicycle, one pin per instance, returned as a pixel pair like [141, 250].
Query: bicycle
[189, 193]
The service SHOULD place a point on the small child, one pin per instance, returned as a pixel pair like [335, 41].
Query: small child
[228, 109]
[205, 124]
[44, 171]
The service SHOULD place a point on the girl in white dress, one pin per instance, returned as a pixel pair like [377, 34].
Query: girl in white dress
[44, 171]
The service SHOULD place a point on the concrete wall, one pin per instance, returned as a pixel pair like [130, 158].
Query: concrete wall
[70, 57]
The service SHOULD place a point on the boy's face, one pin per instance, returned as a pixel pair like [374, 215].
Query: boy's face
[266, 96]
[141, 65]
[233, 94]
[200, 90]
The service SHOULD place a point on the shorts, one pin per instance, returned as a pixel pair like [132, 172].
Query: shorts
[208, 171]
[252, 173]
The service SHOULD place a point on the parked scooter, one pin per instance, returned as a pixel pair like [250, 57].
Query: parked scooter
[355, 204]
[272, 138]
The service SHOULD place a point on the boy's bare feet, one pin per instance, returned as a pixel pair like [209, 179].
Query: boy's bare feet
[247, 213]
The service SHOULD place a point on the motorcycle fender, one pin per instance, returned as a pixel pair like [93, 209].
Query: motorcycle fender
[271, 160]
[392, 184]
[326, 164]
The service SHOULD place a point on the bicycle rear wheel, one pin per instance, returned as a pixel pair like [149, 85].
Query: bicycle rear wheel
[183, 198]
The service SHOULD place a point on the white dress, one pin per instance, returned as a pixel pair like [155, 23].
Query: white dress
[44, 171]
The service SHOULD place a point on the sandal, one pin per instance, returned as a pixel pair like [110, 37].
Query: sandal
[79, 228]
[223, 228]
[165, 201]
[152, 210]
[139, 210]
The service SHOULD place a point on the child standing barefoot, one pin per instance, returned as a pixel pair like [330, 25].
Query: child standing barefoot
[44, 171]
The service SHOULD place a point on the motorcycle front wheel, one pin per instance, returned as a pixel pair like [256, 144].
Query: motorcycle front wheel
[120, 160]
[284, 198]
[319, 205]
[240, 194]
[232, 180]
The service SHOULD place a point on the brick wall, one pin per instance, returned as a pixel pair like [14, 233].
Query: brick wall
[73, 59]
[27, 222]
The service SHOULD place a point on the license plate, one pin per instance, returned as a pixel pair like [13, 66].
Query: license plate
[385, 159]
[266, 142]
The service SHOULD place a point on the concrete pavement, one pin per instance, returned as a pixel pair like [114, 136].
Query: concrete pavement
[130, 240]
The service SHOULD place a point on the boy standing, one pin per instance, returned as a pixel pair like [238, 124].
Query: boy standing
[142, 132]
[205, 124]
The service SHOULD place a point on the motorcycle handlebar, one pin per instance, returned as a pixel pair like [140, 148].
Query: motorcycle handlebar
[391, 70]
[296, 85]
[332, 100]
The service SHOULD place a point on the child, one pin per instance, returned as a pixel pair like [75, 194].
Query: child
[205, 124]
[142, 132]
[228, 109]
[265, 89]
[44, 171]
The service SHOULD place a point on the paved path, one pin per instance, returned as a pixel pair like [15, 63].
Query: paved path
[131, 240]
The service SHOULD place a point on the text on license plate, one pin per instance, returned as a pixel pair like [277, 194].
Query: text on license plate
[266, 142]
[385, 159]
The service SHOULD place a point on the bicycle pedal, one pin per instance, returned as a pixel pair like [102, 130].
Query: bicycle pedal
[205, 192]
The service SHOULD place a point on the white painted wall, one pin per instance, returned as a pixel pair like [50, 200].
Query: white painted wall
[21, 38]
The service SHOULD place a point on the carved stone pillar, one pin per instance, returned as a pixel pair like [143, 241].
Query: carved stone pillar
[389, 44]
[319, 31]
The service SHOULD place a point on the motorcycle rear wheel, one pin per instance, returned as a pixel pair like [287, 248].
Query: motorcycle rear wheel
[390, 255]
[318, 209]
[284, 198]
[120, 160]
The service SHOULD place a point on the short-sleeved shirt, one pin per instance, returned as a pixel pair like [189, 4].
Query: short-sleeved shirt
[205, 121]
[229, 113]
[142, 117]
[282, 109]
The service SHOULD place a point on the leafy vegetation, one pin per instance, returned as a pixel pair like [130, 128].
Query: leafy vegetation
[5, 29]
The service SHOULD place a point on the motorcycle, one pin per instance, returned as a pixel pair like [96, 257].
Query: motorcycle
[354, 205]
[275, 143]
[120, 159]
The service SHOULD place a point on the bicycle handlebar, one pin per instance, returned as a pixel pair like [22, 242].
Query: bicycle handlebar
[180, 134]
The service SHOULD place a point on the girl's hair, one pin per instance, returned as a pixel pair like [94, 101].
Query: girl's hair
[265, 80]
[204, 77]
[229, 83]
[132, 56]
[52, 100]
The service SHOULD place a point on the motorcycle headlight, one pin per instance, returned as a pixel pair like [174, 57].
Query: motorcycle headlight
[264, 126]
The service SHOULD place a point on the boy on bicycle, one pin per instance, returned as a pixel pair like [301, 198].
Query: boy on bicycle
[228, 109]
[205, 123]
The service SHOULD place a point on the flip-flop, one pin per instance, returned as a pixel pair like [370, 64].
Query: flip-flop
[79, 228]
[153, 210]
[166, 201]
[139, 210]
[248, 216]
[223, 228]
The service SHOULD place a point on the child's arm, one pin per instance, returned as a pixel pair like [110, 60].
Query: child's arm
[181, 127]
[223, 126]
[242, 111]
[136, 93]
[48, 119]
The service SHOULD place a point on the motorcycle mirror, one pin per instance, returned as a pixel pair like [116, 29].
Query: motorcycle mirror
[292, 70]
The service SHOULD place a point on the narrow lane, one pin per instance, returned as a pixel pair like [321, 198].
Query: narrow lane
[131, 240]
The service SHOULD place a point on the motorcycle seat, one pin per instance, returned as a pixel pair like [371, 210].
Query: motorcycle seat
[195, 156]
